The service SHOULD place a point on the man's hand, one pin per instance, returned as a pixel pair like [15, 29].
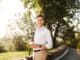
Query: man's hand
[43, 47]
[34, 46]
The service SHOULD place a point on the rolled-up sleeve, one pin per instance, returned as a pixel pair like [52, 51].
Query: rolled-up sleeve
[49, 43]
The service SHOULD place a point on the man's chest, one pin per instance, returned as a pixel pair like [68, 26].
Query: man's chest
[40, 37]
[40, 34]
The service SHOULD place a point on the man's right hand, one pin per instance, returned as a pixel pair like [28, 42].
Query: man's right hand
[34, 46]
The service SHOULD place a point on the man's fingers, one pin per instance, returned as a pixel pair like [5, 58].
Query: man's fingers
[34, 46]
[43, 47]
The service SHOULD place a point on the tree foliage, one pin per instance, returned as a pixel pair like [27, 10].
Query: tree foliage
[54, 11]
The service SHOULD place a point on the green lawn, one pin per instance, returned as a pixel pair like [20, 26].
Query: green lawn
[12, 55]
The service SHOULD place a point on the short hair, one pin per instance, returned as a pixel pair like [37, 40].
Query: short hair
[40, 16]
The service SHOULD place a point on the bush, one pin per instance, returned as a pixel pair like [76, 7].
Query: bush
[19, 44]
[11, 47]
[78, 45]
[2, 48]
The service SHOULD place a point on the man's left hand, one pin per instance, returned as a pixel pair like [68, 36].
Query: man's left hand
[43, 47]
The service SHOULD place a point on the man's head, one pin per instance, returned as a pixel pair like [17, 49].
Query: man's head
[40, 20]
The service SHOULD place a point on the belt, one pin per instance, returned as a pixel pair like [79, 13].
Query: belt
[38, 50]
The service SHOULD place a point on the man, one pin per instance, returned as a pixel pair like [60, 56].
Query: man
[42, 40]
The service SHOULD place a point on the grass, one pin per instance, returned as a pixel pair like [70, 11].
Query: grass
[12, 55]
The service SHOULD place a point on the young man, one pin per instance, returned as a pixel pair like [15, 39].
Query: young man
[42, 40]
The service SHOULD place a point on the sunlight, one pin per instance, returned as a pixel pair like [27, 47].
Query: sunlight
[8, 10]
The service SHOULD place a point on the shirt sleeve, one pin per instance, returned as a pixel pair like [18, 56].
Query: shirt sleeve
[49, 40]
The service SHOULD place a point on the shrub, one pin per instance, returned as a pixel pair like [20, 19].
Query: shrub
[78, 45]
[19, 44]
[2, 48]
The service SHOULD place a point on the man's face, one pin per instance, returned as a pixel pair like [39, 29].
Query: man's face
[40, 21]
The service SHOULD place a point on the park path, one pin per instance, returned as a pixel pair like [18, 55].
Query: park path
[71, 55]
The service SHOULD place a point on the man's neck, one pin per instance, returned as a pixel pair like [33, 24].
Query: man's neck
[39, 27]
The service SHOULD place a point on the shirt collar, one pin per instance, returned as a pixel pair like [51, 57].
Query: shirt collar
[39, 29]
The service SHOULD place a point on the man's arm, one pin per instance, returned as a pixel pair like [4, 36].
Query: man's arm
[48, 39]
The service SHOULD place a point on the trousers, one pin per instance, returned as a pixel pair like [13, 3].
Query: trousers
[41, 55]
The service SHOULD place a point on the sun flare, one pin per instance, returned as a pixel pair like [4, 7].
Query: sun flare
[8, 10]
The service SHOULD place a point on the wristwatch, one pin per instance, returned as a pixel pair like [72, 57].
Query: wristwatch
[40, 46]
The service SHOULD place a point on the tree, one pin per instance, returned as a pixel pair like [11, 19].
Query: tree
[28, 24]
[54, 11]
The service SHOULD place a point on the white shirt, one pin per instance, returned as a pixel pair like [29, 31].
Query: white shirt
[42, 36]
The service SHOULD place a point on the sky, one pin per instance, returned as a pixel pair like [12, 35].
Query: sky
[9, 9]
